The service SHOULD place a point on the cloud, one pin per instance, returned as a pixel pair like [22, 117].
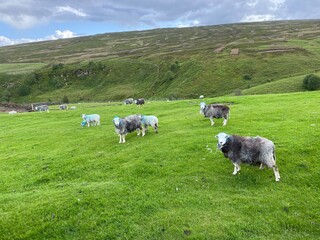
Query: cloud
[154, 13]
[21, 21]
[142, 14]
[61, 35]
[4, 41]
[68, 9]
[258, 18]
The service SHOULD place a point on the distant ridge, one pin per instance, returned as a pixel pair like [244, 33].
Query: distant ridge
[169, 63]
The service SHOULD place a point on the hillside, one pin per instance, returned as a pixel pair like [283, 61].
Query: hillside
[161, 63]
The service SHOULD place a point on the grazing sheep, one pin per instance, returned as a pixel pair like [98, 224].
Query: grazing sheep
[63, 107]
[139, 101]
[251, 150]
[13, 112]
[128, 101]
[215, 111]
[123, 126]
[41, 108]
[201, 96]
[73, 107]
[93, 120]
[149, 121]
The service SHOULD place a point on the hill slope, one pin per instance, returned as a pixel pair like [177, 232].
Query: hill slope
[160, 63]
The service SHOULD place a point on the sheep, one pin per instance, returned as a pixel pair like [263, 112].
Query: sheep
[63, 107]
[251, 150]
[215, 111]
[128, 101]
[13, 112]
[149, 121]
[123, 126]
[139, 101]
[42, 108]
[93, 119]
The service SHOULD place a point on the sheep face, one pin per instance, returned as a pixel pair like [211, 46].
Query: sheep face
[222, 139]
[202, 107]
[116, 121]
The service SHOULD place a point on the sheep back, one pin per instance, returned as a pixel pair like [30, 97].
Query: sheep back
[216, 111]
[129, 124]
[251, 150]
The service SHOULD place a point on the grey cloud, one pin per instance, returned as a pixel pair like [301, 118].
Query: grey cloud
[156, 13]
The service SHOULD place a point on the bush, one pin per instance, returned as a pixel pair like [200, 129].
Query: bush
[246, 77]
[6, 95]
[65, 99]
[311, 82]
[24, 90]
[169, 76]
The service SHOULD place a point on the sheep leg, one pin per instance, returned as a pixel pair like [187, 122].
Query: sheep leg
[261, 166]
[276, 172]
[123, 138]
[120, 141]
[138, 131]
[212, 122]
[236, 168]
[225, 121]
[143, 131]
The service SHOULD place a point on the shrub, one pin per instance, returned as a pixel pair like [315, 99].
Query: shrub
[65, 99]
[57, 66]
[169, 76]
[246, 77]
[24, 90]
[311, 82]
[6, 95]
[174, 67]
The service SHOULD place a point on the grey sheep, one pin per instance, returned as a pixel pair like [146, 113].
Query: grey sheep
[215, 111]
[250, 150]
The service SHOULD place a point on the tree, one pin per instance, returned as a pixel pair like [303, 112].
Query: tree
[311, 82]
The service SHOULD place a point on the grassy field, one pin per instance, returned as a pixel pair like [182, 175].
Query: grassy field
[62, 181]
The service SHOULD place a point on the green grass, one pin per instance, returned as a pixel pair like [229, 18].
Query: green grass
[20, 68]
[62, 181]
[290, 84]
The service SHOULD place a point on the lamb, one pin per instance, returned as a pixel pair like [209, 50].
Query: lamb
[93, 120]
[123, 126]
[251, 150]
[215, 111]
[149, 121]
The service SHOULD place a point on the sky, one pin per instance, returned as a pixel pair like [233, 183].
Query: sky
[23, 21]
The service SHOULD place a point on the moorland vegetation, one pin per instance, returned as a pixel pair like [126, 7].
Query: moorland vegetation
[177, 63]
